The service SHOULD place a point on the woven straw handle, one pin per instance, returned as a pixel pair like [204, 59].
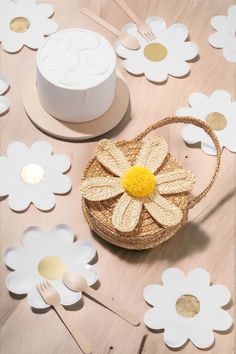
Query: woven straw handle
[199, 123]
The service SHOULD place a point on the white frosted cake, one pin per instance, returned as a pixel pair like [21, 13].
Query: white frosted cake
[76, 75]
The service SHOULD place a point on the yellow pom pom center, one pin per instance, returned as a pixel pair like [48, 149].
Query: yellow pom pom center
[138, 181]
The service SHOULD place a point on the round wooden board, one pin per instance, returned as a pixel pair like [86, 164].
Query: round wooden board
[74, 131]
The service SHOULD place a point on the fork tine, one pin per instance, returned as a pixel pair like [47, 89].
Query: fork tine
[151, 35]
[48, 284]
[147, 34]
[38, 287]
[144, 34]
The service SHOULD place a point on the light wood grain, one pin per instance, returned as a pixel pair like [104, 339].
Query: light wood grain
[206, 241]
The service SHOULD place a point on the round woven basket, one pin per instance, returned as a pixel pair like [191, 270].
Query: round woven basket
[148, 233]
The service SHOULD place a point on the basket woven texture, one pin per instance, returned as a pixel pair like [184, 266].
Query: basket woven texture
[148, 233]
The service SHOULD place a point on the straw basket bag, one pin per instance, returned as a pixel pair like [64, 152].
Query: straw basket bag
[117, 205]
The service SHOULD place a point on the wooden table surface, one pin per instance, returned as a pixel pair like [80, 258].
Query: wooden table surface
[206, 241]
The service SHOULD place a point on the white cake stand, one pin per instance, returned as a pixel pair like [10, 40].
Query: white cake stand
[74, 131]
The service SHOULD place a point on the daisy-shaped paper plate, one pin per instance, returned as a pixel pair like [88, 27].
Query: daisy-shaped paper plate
[47, 256]
[33, 175]
[187, 307]
[138, 185]
[225, 37]
[4, 101]
[219, 112]
[23, 22]
[167, 54]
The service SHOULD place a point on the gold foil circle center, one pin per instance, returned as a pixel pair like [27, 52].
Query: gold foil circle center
[19, 24]
[51, 267]
[155, 51]
[32, 173]
[216, 121]
[187, 305]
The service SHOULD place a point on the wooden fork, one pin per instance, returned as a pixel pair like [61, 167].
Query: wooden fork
[143, 28]
[52, 297]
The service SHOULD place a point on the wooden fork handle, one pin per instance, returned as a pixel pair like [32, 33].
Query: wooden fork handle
[128, 11]
[100, 21]
[76, 334]
[113, 306]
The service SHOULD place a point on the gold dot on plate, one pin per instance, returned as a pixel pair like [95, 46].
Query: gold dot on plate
[51, 267]
[32, 173]
[155, 51]
[187, 305]
[19, 24]
[216, 120]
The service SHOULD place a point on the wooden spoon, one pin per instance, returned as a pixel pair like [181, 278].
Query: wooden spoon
[76, 282]
[126, 39]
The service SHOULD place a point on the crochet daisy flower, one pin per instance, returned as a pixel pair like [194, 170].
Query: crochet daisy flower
[139, 184]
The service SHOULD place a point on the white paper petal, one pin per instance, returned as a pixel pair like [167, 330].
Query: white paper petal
[229, 52]
[34, 41]
[190, 50]
[16, 149]
[13, 257]
[220, 320]
[175, 336]
[31, 236]
[4, 84]
[4, 104]
[18, 283]
[157, 24]
[218, 295]
[232, 11]
[12, 44]
[153, 319]
[83, 251]
[218, 21]
[154, 294]
[208, 148]
[202, 336]
[198, 99]
[156, 76]
[221, 97]
[199, 276]
[216, 40]
[61, 184]
[41, 147]
[62, 234]
[45, 10]
[178, 68]
[178, 31]
[172, 278]
[43, 200]
[134, 66]
[19, 200]
[61, 163]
